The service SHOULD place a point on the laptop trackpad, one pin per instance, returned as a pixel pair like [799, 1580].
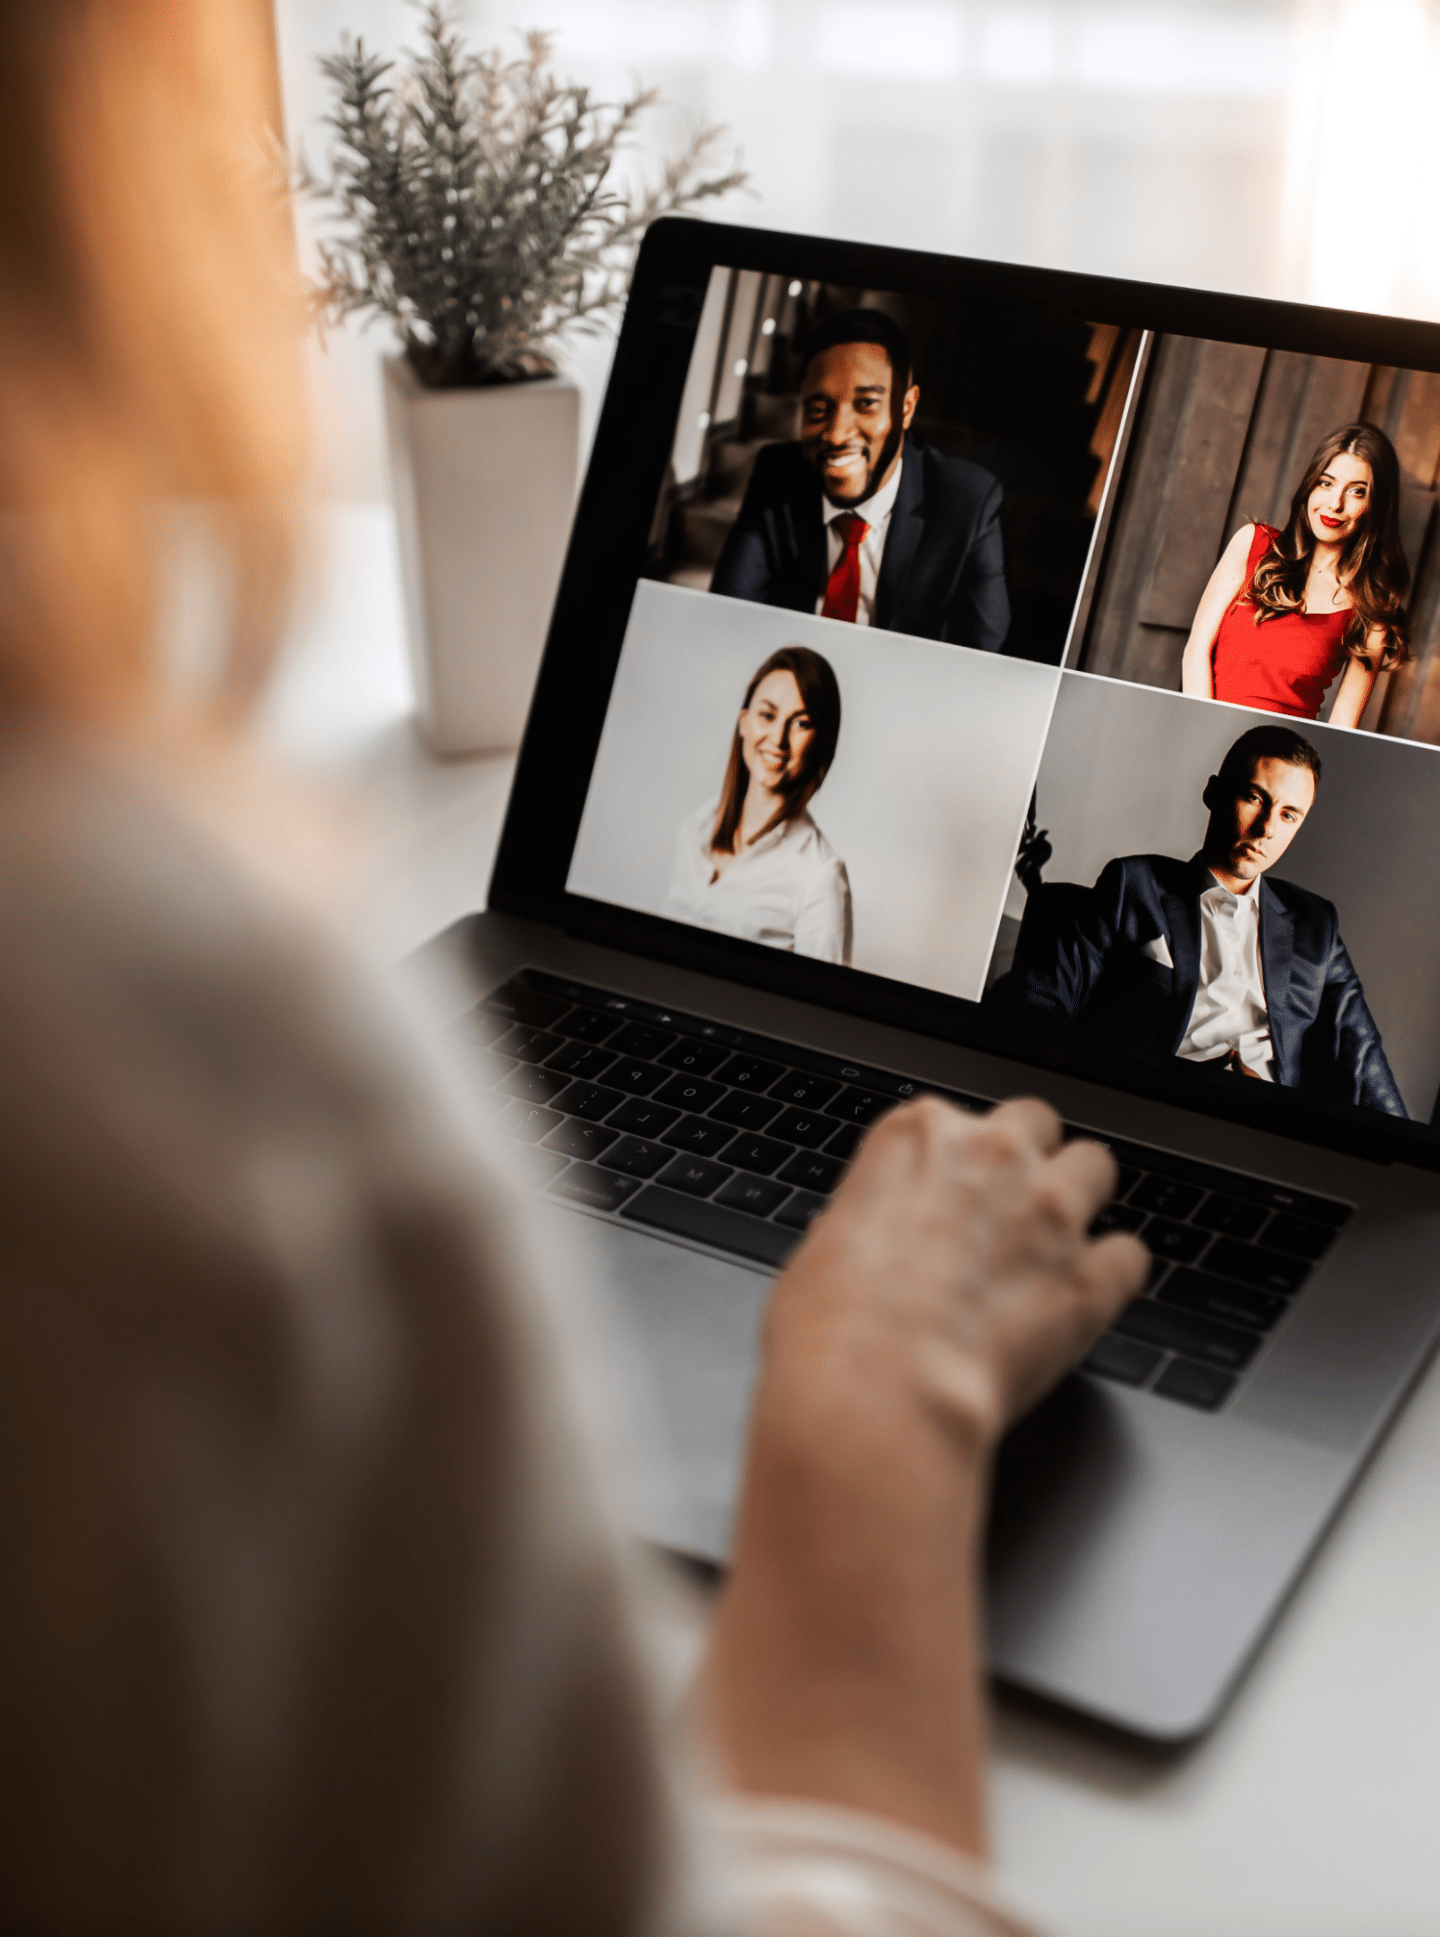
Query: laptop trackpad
[686, 1330]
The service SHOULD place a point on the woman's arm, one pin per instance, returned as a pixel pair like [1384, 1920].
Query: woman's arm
[948, 1285]
[823, 926]
[1227, 581]
[1358, 683]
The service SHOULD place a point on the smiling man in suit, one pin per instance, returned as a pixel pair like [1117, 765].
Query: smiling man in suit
[1211, 959]
[861, 521]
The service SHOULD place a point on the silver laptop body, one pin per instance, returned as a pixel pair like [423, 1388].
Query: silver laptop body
[1142, 1544]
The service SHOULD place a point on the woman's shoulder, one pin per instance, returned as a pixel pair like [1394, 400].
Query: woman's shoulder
[810, 841]
[1252, 540]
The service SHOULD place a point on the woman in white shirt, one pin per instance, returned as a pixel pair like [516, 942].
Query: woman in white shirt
[753, 863]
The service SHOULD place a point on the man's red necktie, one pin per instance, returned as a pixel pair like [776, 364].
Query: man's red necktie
[842, 594]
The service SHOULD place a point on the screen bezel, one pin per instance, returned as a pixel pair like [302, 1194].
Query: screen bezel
[606, 557]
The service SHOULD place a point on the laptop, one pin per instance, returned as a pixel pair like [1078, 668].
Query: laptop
[984, 680]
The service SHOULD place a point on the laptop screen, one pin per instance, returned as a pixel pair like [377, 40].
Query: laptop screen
[1074, 669]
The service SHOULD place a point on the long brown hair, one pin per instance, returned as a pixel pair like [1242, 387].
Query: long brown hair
[150, 328]
[820, 696]
[1373, 566]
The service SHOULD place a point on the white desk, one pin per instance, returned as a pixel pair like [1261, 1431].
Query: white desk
[1313, 1810]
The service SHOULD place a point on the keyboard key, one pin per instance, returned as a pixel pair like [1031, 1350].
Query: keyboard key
[636, 1078]
[480, 1026]
[587, 1025]
[804, 1127]
[1254, 1190]
[1177, 1331]
[589, 1100]
[801, 1211]
[757, 1195]
[1194, 1385]
[690, 1093]
[636, 1157]
[749, 1073]
[807, 1092]
[1122, 1359]
[1116, 1217]
[525, 1005]
[575, 1138]
[528, 1045]
[1125, 1181]
[859, 1106]
[1266, 1270]
[1298, 1236]
[702, 1136]
[533, 1084]
[636, 1040]
[760, 1154]
[527, 1122]
[1192, 1291]
[1180, 1243]
[580, 1059]
[1301, 1205]
[744, 1112]
[846, 1141]
[696, 1176]
[536, 1166]
[600, 1190]
[815, 1172]
[1165, 1195]
[642, 1118]
[1230, 1216]
[718, 1225]
[694, 1058]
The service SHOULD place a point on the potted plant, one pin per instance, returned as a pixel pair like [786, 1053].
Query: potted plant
[472, 205]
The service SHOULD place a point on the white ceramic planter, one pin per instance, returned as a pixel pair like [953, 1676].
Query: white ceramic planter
[484, 483]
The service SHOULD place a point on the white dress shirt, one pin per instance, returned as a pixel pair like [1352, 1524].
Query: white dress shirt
[1230, 1012]
[789, 889]
[876, 512]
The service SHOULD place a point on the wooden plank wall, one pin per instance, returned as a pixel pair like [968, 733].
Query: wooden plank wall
[1223, 437]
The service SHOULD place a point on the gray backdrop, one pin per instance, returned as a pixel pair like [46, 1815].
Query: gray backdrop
[1123, 771]
[925, 802]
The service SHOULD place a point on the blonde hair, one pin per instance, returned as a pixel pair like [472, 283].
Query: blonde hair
[150, 324]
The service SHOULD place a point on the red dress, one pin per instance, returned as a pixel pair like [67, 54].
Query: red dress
[1283, 666]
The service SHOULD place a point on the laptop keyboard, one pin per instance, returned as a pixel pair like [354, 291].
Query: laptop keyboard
[736, 1141]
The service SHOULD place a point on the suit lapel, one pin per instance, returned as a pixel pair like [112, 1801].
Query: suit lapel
[799, 539]
[1277, 951]
[902, 541]
[1182, 918]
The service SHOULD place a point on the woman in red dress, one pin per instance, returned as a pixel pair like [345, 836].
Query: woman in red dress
[1286, 611]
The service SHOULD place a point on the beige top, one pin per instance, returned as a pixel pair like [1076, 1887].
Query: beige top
[311, 1616]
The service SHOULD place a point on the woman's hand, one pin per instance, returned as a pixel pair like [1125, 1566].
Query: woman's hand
[948, 1285]
[952, 1276]
[1226, 583]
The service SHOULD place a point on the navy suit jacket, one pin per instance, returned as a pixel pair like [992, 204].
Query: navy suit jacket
[1079, 965]
[942, 575]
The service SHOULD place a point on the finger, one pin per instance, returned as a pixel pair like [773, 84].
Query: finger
[1114, 1268]
[1033, 1122]
[1088, 1171]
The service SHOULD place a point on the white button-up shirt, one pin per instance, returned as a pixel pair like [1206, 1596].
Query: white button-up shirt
[876, 512]
[789, 889]
[1230, 1012]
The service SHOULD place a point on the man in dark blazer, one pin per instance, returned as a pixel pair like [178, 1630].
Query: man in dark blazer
[1210, 959]
[861, 521]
